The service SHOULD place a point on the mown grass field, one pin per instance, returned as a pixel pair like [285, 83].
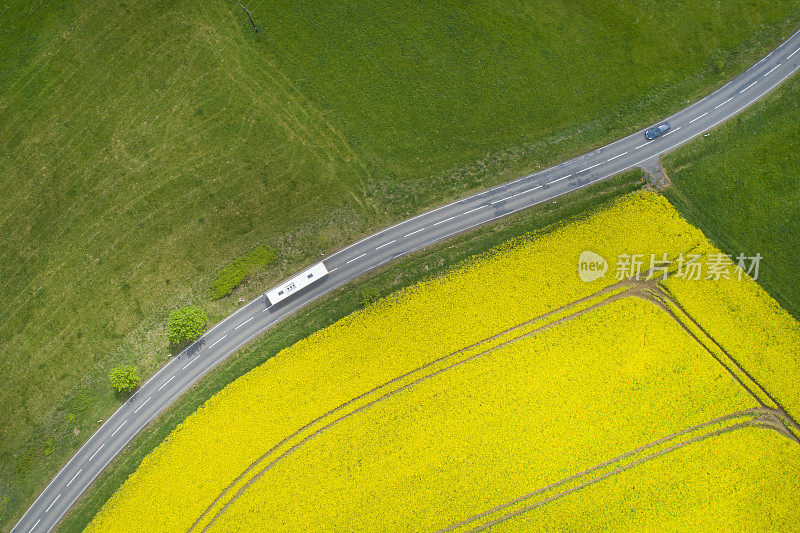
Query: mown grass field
[741, 185]
[145, 146]
[405, 421]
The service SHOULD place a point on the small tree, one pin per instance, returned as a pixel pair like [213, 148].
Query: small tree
[124, 379]
[186, 324]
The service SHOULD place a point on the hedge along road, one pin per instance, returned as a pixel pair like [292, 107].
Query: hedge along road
[371, 252]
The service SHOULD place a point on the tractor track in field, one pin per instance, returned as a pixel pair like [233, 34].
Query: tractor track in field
[772, 414]
[625, 287]
[760, 417]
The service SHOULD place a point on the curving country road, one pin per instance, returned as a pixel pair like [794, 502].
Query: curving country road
[347, 264]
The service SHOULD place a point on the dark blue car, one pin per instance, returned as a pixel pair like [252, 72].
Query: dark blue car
[657, 131]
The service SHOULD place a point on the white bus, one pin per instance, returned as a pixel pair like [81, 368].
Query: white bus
[300, 281]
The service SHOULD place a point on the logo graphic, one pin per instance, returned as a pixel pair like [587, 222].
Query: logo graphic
[591, 266]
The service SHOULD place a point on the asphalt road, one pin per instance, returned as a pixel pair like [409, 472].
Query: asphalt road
[254, 318]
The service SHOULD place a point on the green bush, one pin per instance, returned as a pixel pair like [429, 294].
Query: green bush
[239, 269]
[369, 295]
[124, 379]
[186, 324]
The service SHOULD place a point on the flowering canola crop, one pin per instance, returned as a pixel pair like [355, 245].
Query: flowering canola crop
[506, 413]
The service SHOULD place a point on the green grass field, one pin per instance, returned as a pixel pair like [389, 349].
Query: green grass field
[741, 186]
[144, 147]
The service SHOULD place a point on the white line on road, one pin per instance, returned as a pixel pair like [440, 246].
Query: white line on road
[743, 90]
[616, 156]
[793, 53]
[147, 400]
[387, 244]
[670, 131]
[561, 178]
[215, 342]
[501, 200]
[643, 144]
[356, 258]
[770, 70]
[443, 221]
[52, 503]
[120, 427]
[698, 117]
[725, 102]
[473, 210]
[331, 271]
[97, 450]
[413, 232]
[589, 168]
[73, 477]
[245, 322]
[34, 525]
[525, 191]
[165, 384]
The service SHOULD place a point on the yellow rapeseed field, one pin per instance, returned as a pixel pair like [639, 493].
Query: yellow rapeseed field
[382, 376]
[482, 433]
[745, 480]
[750, 326]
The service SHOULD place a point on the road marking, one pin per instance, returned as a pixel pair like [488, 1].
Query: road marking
[670, 131]
[473, 210]
[34, 525]
[561, 178]
[184, 368]
[770, 70]
[525, 191]
[616, 156]
[743, 90]
[331, 271]
[698, 117]
[793, 53]
[73, 477]
[120, 427]
[589, 168]
[147, 400]
[643, 144]
[725, 102]
[242, 324]
[356, 258]
[216, 341]
[501, 200]
[445, 220]
[53, 503]
[165, 384]
[95, 453]
[413, 232]
[387, 244]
